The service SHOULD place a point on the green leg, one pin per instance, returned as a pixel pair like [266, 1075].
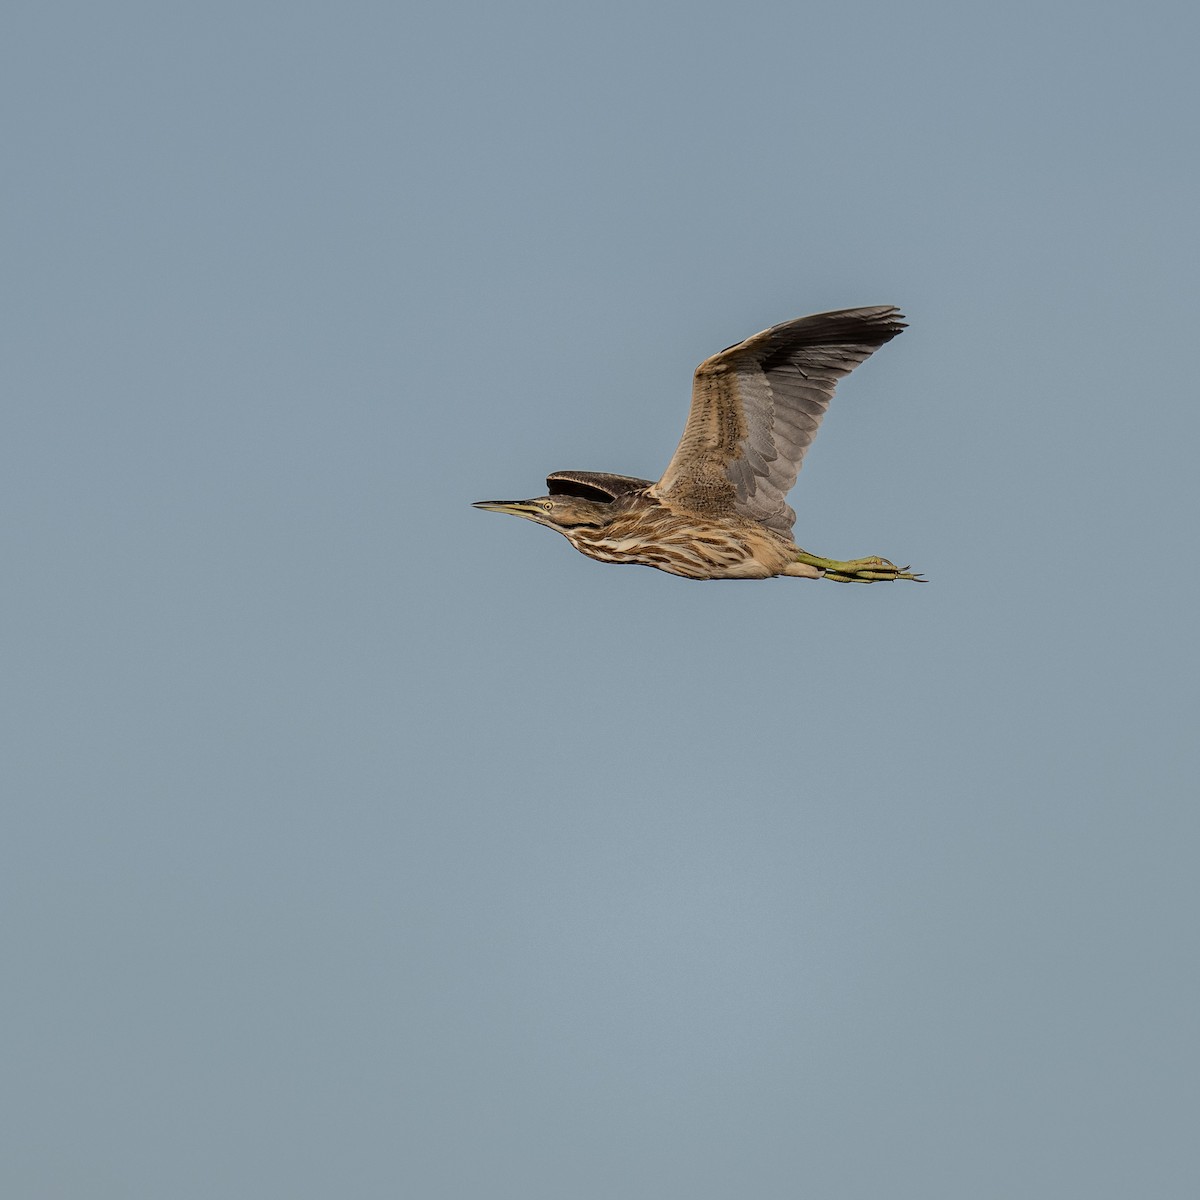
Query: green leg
[857, 570]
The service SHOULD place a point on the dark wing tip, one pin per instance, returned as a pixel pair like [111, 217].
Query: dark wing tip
[593, 485]
[871, 325]
[864, 326]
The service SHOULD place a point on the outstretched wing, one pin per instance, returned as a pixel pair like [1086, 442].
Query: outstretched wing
[756, 408]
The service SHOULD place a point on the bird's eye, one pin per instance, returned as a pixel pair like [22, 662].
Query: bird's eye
[547, 505]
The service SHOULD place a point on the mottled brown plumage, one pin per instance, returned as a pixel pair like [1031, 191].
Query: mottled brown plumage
[719, 511]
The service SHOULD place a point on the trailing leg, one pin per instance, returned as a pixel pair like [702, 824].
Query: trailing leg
[856, 570]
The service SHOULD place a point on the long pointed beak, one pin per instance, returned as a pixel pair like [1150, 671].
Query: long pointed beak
[518, 508]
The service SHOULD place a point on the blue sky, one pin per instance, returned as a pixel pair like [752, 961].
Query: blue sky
[363, 844]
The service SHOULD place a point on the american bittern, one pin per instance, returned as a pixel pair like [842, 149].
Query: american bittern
[719, 511]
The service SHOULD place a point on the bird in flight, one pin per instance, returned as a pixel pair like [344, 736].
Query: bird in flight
[720, 509]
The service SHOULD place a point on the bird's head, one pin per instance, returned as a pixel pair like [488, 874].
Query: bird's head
[579, 502]
[564, 513]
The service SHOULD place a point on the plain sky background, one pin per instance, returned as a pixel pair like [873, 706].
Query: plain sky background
[360, 844]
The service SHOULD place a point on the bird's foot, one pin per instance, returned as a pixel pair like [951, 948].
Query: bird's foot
[858, 570]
